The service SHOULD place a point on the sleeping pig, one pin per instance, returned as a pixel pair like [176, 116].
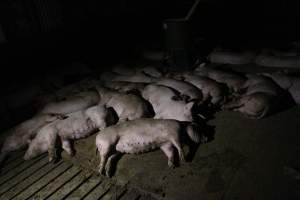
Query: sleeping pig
[234, 81]
[262, 96]
[127, 106]
[143, 135]
[211, 90]
[167, 103]
[78, 125]
[19, 136]
[189, 91]
[126, 87]
[73, 103]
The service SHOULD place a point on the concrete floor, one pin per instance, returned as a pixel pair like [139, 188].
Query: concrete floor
[247, 159]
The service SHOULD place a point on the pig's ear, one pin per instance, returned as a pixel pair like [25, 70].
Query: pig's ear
[189, 105]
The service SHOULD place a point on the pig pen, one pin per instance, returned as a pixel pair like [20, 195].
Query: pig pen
[246, 159]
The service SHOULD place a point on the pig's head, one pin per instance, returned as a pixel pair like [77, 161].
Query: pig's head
[36, 147]
[185, 114]
[102, 116]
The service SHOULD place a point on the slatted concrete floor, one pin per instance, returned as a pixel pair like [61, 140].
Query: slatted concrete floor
[38, 179]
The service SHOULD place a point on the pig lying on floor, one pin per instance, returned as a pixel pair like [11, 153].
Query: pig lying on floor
[220, 55]
[167, 104]
[288, 82]
[73, 103]
[262, 97]
[189, 91]
[78, 125]
[212, 91]
[20, 135]
[125, 87]
[127, 106]
[234, 81]
[135, 78]
[148, 70]
[143, 135]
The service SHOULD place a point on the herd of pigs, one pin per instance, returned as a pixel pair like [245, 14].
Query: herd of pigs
[136, 110]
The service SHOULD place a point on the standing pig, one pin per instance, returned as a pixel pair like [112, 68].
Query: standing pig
[189, 91]
[78, 125]
[167, 104]
[19, 136]
[79, 101]
[127, 106]
[143, 135]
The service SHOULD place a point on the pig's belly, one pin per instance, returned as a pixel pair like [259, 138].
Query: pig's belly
[137, 145]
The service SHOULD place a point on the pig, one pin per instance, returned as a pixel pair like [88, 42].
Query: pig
[260, 83]
[151, 71]
[232, 80]
[76, 102]
[125, 87]
[256, 105]
[19, 136]
[148, 70]
[143, 135]
[211, 90]
[262, 97]
[65, 92]
[267, 59]
[288, 82]
[167, 104]
[127, 106]
[135, 78]
[187, 90]
[231, 57]
[77, 125]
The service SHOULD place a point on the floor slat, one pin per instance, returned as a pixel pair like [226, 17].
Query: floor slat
[31, 180]
[99, 191]
[115, 192]
[85, 188]
[10, 166]
[22, 176]
[19, 169]
[70, 186]
[53, 186]
[131, 195]
[43, 182]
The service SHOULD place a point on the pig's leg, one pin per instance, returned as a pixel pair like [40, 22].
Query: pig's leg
[176, 142]
[103, 151]
[52, 151]
[109, 161]
[169, 151]
[67, 146]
